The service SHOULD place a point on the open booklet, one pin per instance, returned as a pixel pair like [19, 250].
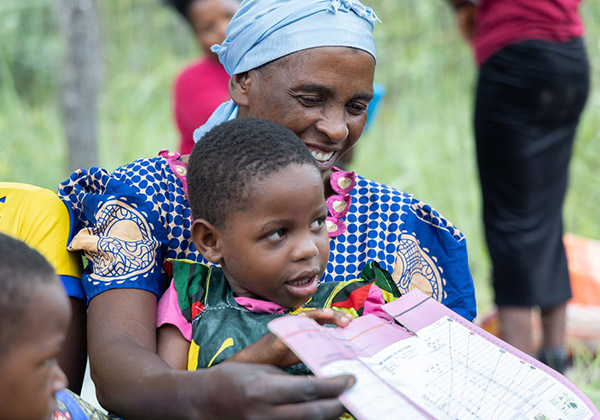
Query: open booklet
[431, 364]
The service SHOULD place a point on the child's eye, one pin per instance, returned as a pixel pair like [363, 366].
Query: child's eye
[49, 362]
[277, 235]
[318, 224]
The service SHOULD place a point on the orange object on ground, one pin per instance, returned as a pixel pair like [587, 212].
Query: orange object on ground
[583, 309]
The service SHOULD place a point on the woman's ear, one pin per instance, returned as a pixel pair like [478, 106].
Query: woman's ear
[207, 239]
[239, 88]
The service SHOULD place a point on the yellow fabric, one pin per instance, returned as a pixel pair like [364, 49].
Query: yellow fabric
[39, 218]
[193, 356]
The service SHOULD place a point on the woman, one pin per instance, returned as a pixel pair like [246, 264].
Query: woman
[533, 83]
[308, 65]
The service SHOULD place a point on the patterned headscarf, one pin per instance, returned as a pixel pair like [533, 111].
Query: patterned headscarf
[265, 30]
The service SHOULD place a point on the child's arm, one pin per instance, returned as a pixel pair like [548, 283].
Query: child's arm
[172, 346]
[174, 332]
[271, 350]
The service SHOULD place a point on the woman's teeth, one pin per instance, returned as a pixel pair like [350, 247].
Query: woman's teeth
[321, 157]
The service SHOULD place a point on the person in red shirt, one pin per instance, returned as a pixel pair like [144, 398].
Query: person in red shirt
[203, 85]
[533, 85]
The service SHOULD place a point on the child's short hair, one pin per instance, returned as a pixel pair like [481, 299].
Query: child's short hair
[21, 269]
[233, 154]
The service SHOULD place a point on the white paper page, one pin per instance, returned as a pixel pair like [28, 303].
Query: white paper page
[454, 373]
[375, 400]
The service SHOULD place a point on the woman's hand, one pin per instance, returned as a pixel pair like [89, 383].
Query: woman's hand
[272, 351]
[244, 391]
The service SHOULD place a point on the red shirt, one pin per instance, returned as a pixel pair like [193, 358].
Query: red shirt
[504, 22]
[199, 89]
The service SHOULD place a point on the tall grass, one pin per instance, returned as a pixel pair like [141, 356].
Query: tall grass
[422, 141]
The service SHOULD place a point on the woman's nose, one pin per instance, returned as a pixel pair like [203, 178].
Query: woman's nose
[334, 125]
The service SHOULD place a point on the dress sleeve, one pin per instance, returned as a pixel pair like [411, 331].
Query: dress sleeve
[433, 252]
[168, 312]
[118, 226]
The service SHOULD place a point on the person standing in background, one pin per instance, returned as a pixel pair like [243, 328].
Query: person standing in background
[532, 87]
[203, 85]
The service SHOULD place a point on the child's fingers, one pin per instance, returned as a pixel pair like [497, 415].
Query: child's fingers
[329, 316]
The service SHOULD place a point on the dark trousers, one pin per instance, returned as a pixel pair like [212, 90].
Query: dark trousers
[529, 99]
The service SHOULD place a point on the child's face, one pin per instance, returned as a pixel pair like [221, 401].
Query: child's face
[277, 247]
[30, 373]
[210, 19]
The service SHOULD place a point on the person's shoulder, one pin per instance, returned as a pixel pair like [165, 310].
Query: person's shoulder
[27, 196]
[413, 210]
[368, 186]
[197, 70]
[143, 167]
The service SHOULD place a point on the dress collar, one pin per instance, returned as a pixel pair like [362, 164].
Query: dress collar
[342, 183]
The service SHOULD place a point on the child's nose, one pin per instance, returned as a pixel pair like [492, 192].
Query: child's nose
[305, 248]
[59, 379]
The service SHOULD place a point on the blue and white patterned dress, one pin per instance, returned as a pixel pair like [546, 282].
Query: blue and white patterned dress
[130, 221]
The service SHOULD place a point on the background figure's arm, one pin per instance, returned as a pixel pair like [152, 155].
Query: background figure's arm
[466, 11]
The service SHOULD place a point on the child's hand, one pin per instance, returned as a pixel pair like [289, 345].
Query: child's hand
[328, 316]
[271, 350]
[267, 350]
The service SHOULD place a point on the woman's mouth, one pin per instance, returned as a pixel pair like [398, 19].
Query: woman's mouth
[322, 157]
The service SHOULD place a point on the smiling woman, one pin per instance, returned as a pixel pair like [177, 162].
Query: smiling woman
[303, 91]
[309, 65]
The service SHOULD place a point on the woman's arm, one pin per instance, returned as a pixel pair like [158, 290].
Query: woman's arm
[133, 382]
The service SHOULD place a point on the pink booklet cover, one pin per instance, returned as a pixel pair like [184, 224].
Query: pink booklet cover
[430, 363]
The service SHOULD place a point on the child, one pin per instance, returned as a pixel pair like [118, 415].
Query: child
[203, 85]
[259, 211]
[34, 316]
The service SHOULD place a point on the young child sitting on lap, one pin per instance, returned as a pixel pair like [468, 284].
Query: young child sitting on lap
[259, 212]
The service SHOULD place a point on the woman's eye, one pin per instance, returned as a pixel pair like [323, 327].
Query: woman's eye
[357, 108]
[309, 100]
[277, 235]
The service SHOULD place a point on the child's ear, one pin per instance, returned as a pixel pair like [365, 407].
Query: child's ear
[207, 239]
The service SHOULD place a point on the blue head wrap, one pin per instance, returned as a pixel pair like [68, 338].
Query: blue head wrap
[265, 30]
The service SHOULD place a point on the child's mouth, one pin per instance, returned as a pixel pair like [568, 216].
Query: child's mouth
[304, 287]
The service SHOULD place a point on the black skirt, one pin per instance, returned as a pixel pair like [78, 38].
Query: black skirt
[529, 99]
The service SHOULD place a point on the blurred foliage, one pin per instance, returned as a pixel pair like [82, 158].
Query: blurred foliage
[422, 141]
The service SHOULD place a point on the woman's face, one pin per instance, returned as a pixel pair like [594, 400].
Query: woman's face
[321, 94]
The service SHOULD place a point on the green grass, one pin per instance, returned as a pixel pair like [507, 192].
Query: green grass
[422, 141]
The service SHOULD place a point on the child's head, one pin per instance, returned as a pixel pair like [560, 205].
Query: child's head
[208, 19]
[34, 316]
[259, 210]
